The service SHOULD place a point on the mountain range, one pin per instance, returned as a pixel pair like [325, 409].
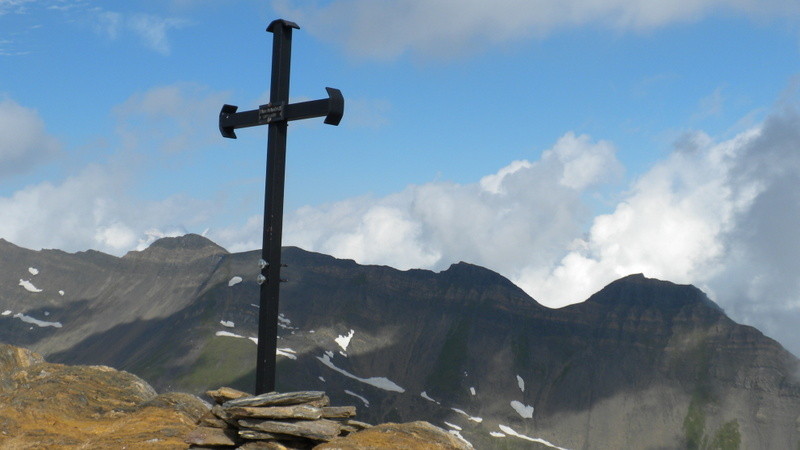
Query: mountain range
[643, 363]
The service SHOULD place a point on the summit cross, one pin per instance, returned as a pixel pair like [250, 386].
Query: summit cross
[276, 114]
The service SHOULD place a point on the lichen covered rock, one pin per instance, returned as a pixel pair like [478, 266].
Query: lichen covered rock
[416, 435]
[45, 405]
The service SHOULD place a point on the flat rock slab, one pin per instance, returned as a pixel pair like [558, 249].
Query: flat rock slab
[317, 398]
[210, 420]
[253, 435]
[276, 412]
[223, 415]
[212, 436]
[358, 425]
[338, 412]
[225, 394]
[320, 430]
[283, 439]
[267, 445]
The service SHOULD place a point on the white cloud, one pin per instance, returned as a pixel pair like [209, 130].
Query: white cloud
[670, 226]
[723, 216]
[93, 209]
[24, 141]
[385, 30]
[13, 6]
[240, 238]
[151, 29]
[524, 214]
[108, 23]
[8, 48]
[97, 207]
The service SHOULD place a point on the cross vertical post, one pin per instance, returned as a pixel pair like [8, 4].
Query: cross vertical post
[273, 210]
[276, 114]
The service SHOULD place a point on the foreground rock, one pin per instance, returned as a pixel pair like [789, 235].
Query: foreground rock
[416, 435]
[304, 420]
[45, 405]
[298, 420]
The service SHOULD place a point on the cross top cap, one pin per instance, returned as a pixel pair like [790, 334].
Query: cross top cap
[282, 23]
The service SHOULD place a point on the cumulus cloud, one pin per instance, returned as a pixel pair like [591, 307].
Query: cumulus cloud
[388, 29]
[24, 141]
[97, 207]
[669, 226]
[524, 214]
[93, 209]
[760, 282]
[720, 215]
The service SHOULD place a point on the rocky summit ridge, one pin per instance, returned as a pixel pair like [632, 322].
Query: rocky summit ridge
[56, 406]
[643, 363]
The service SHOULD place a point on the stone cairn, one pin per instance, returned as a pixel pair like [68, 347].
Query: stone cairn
[291, 420]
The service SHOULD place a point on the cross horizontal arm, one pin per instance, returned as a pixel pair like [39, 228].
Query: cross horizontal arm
[332, 108]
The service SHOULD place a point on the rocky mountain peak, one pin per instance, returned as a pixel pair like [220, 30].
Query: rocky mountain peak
[472, 275]
[187, 247]
[641, 292]
[187, 241]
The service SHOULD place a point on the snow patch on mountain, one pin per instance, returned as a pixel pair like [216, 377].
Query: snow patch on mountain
[464, 413]
[33, 270]
[287, 352]
[510, 431]
[226, 323]
[344, 341]
[457, 434]
[28, 286]
[525, 411]
[428, 398]
[37, 322]
[378, 382]
[228, 334]
[366, 402]
[453, 426]
[521, 383]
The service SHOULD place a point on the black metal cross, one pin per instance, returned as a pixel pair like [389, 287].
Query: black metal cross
[277, 113]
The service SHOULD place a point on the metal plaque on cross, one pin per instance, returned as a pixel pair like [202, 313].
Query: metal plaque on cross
[276, 114]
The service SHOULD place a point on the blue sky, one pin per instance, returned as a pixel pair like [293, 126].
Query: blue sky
[562, 143]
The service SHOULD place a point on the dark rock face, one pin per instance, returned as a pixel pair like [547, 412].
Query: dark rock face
[641, 364]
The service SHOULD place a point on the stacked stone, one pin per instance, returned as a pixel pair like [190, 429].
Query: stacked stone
[291, 420]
